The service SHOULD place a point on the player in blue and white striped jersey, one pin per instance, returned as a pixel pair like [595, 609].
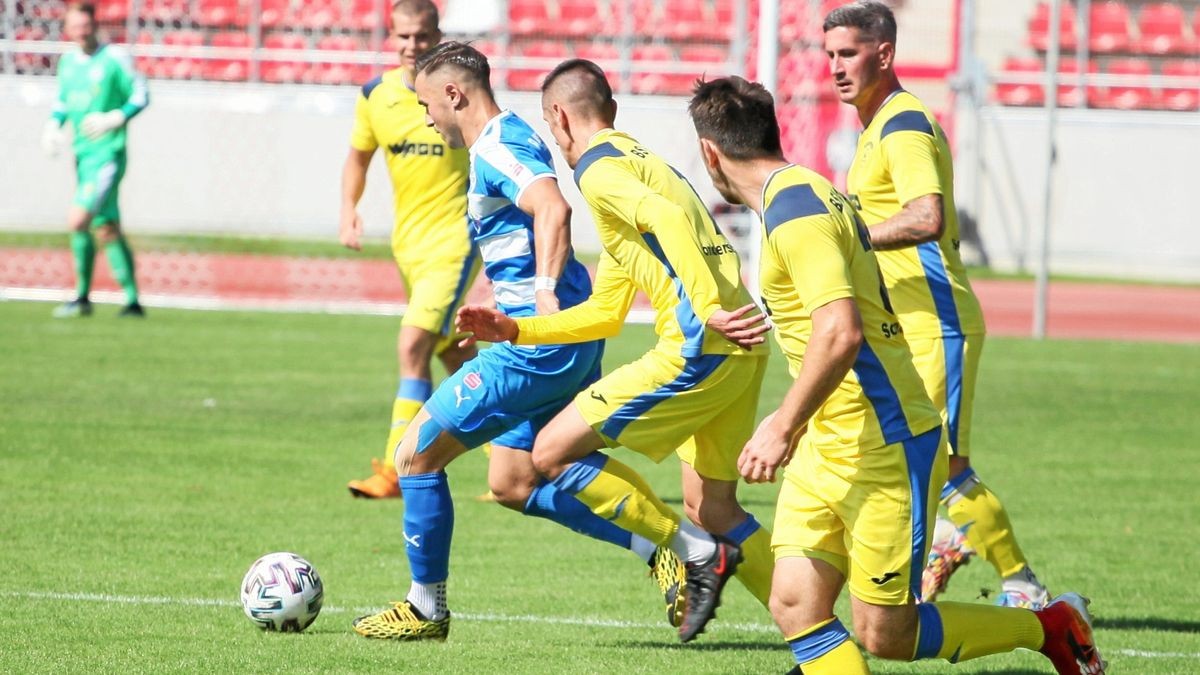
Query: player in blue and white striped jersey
[521, 224]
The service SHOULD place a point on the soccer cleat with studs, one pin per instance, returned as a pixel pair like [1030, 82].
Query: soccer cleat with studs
[132, 310]
[705, 581]
[1069, 643]
[402, 622]
[381, 485]
[77, 308]
[668, 572]
[945, 557]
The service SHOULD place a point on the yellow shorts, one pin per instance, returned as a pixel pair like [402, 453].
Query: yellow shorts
[869, 514]
[437, 287]
[949, 367]
[701, 408]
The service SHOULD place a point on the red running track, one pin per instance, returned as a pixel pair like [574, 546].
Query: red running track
[1077, 310]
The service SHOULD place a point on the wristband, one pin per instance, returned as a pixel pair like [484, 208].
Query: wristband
[544, 283]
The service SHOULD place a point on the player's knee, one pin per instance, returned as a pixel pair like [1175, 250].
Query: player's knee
[454, 357]
[886, 636]
[958, 465]
[510, 495]
[106, 234]
[713, 514]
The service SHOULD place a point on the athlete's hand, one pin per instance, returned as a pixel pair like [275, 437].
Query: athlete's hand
[52, 138]
[97, 124]
[547, 302]
[770, 448]
[743, 331]
[351, 229]
[484, 323]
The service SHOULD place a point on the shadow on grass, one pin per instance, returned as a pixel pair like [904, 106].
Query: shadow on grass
[1147, 623]
[711, 646]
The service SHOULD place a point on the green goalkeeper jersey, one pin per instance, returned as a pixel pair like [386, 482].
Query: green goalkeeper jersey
[99, 82]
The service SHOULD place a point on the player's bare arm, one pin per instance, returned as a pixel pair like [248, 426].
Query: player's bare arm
[918, 222]
[354, 181]
[551, 238]
[836, 338]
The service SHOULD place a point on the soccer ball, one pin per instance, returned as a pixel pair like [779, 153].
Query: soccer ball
[282, 592]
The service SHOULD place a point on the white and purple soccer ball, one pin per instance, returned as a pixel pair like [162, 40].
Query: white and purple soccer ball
[282, 592]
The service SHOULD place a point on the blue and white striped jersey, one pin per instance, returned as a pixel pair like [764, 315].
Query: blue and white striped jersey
[507, 158]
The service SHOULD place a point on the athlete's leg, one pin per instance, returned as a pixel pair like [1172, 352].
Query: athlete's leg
[802, 597]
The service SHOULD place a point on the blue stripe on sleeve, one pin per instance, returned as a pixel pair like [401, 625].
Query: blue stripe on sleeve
[790, 203]
[909, 120]
[590, 157]
[882, 395]
[685, 314]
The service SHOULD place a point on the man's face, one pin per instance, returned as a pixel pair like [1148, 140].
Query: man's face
[79, 28]
[720, 181]
[561, 137]
[414, 35]
[853, 63]
[440, 98]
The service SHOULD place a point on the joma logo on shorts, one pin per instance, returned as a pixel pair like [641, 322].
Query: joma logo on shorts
[419, 149]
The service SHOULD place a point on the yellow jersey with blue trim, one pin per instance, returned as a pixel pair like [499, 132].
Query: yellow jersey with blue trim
[429, 178]
[657, 237]
[816, 251]
[902, 155]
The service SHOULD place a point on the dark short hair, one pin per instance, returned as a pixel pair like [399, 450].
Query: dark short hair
[738, 116]
[461, 56]
[420, 8]
[596, 93]
[873, 19]
[83, 8]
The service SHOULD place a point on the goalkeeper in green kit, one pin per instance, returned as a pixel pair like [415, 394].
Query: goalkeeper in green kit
[98, 92]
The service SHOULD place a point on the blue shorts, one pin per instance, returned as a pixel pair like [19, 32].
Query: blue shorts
[507, 394]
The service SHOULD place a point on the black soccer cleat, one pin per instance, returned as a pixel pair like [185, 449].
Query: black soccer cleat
[132, 310]
[704, 583]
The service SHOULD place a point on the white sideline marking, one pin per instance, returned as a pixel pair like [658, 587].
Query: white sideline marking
[497, 618]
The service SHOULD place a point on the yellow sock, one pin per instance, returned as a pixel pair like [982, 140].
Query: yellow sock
[758, 561]
[826, 649]
[979, 514]
[403, 410]
[617, 493]
[958, 631]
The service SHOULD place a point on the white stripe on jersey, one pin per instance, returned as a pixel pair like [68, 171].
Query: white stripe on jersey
[504, 246]
[514, 292]
[481, 206]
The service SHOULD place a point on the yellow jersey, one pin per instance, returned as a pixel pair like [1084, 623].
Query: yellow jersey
[815, 251]
[429, 178]
[657, 236]
[903, 155]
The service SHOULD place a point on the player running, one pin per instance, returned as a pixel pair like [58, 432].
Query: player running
[695, 393]
[902, 181]
[430, 241]
[99, 91]
[521, 224]
[864, 447]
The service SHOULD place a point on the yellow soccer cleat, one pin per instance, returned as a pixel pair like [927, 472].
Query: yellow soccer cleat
[667, 571]
[401, 622]
[383, 483]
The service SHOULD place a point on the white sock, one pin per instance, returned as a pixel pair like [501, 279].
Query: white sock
[642, 547]
[429, 599]
[1026, 582]
[693, 544]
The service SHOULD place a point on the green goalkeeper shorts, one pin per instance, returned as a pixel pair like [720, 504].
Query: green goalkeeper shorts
[98, 178]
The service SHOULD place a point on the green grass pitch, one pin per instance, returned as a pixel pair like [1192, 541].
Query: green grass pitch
[145, 465]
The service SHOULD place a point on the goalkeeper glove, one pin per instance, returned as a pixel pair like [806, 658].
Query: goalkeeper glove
[52, 138]
[97, 124]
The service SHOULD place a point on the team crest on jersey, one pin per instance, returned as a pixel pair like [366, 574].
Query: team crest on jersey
[473, 381]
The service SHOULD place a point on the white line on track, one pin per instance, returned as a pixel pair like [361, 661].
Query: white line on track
[489, 617]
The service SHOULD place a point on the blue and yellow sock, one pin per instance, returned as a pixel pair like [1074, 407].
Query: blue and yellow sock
[83, 252]
[618, 494]
[826, 649]
[410, 396]
[428, 525]
[979, 515]
[547, 501]
[958, 631]
[758, 561]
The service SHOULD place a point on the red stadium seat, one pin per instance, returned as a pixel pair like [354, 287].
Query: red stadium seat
[224, 68]
[1161, 25]
[181, 66]
[1108, 27]
[320, 15]
[529, 78]
[275, 14]
[1039, 27]
[112, 11]
[1069, 93]
[219, 13]
[606, 55]
[282, 70]
[26, 62]
[685, 20]
[527, 17]
[804, 75]
[579, 18]
[648, 82]
[1018, 93]
[166, 12]
[341, 73]
[1176, 97]
[1124, 97]
[367, 15]
[646, 18]
[710, 62]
